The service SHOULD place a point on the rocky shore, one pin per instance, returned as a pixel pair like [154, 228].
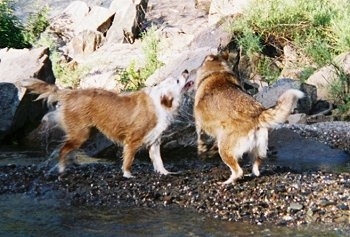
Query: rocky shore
[335, 134]
[281, 196]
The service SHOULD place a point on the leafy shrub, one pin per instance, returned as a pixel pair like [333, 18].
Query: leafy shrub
[11, 29]
[318, 29]
[36, 24]
[266, 68]
[340, 91]
[15, 34]
[133, 78]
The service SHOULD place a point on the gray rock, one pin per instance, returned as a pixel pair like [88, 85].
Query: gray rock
[18, 113]
[269, 95]
[128, 19]
[322, 79]
[85, 42]
[297, 118]
[295, 206]
[17, 64]
[10, 97]
[63, 25]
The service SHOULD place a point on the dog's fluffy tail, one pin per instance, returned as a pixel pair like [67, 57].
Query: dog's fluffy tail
[48, 92]
[278, 114]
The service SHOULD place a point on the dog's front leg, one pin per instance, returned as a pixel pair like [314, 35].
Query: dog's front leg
[154, 154]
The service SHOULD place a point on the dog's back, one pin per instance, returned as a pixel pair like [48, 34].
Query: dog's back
[118, 116]
[221, 102]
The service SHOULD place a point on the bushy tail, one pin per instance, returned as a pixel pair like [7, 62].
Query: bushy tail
[279, 113]
[48, 92]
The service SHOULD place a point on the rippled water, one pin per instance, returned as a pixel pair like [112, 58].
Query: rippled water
[21, 215]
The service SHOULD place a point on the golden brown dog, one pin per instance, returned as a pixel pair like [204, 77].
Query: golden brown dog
[236, 120]
[134, 119]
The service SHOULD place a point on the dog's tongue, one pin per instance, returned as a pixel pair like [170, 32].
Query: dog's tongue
[189, 84]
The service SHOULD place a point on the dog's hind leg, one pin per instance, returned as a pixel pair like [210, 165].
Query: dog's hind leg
[154, 154]
[129, 153]
[74, 140]
[260, 150]
[226, 154]
[201, 146]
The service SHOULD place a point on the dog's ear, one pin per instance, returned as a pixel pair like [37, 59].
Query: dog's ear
[209, 57]
[167, 100]
[185, 74]
[225, 54]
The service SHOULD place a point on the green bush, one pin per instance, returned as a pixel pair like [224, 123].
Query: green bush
[130, 77]
[318, 28]
[36, 24]
[340, 91]
[11, 29]
[15, 34]
[133, 78]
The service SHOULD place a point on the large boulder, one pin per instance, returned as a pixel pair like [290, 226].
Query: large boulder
[128, 19]
[326, 76]
[17, 64]
[204, 42]
[18, 113]
[269, 95]
[85, 42]
[10, 98]
[63, 25]
[322, 79]
[80, 28]
[222, 8]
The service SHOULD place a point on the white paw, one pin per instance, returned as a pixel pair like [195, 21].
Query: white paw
[256, 171]
[234, 176]
[227, 182]
[61, 168]
[230, 180]
[163, 171]
[127, 174]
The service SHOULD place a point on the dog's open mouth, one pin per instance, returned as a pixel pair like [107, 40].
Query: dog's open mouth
[189, 84]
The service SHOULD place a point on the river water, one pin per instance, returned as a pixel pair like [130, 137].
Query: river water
[22, 216]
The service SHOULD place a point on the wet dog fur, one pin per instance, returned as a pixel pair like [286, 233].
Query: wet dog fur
[236, 120]
[132, 119]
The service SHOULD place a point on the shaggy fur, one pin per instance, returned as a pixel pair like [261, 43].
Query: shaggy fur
[238, 122]
[133, 119]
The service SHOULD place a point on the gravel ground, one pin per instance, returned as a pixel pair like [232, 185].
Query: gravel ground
[335, 134]
[280, 196]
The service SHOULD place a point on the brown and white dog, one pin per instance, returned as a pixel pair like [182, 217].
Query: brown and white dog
[236, 120]
[133, 119]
